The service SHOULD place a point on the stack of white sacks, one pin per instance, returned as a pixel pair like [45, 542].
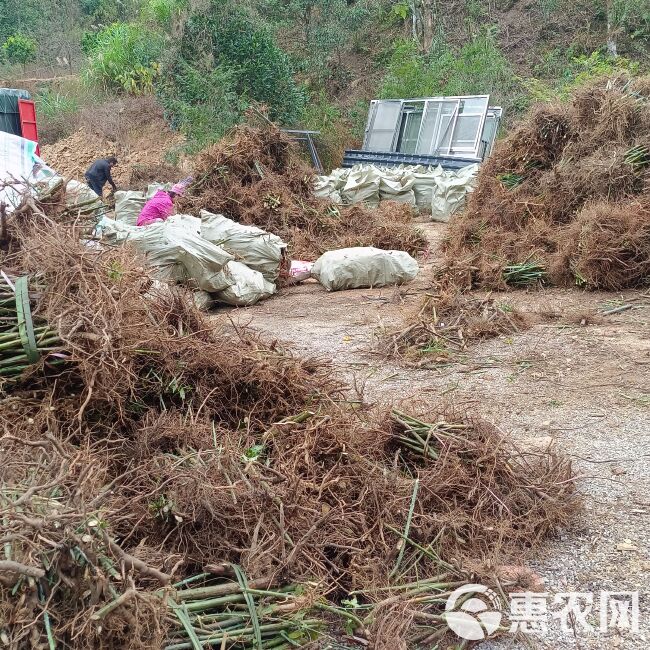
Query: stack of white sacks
[430, 189]
[231, 263]
[228, 262]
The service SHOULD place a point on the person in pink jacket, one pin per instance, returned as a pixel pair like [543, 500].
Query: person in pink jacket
[161, 205]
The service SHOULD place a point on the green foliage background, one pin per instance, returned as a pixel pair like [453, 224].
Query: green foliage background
[315, 63]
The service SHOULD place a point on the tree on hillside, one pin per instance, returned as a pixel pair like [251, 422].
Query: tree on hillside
[18, 17]
[228, 36]
[626, 18]
[19, 49]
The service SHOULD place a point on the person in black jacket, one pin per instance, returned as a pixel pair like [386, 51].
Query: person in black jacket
[99, 173]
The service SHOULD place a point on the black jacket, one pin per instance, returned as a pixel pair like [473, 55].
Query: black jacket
[100, 172]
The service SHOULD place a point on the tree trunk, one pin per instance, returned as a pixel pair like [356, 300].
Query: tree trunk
[306, 16]
[424, 14]
[428, 22]
[612, 49]
[414, 20]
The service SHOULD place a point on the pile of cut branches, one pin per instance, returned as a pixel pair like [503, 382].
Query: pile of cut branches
[255, 176]
[567, 189]
[447, 324]
[176, 485]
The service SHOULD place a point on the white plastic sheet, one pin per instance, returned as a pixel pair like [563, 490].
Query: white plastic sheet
[258, 249]
[247, 288]
[353, 268]
[432, 190]
[17, 161]
[21, 169]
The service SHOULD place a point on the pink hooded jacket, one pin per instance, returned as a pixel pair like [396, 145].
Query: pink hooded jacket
[157, 208]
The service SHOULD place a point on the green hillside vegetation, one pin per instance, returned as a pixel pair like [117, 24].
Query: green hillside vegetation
[311, 63]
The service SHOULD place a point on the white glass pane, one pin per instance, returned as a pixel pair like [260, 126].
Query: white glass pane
[429, 125]
[466, 132]
[475, 104]
[382, 130]
[410, 131]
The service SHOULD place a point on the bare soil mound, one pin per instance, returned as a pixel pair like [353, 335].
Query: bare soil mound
[133, 130]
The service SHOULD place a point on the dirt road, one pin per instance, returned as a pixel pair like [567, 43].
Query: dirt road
[587, 387]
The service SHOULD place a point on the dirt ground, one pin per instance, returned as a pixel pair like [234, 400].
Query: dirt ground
[145, 146]
[586, 387]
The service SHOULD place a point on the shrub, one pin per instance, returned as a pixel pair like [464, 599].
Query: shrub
[58, 115]
[260, 69]
[335, 133]
[479, 67]
[163, 12]
[583, 70]
[125, 58]
[19, 49]
[200, 102]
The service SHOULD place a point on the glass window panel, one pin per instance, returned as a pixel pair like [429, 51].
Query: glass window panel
[448, 126]
[429, 125]
[410, 132]
[466, 131]
[382, 130]
[475, 104]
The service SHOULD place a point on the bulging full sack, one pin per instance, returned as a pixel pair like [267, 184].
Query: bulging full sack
[176, 250]
[258, 249]
[361, 186]
[451, 191]
[353, 268]
[247, 288]
[397, 186]
[129, 203]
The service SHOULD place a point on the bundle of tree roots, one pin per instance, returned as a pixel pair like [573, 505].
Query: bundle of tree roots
[172, 485]
[255, 176]
[446, 324]
[566, 195]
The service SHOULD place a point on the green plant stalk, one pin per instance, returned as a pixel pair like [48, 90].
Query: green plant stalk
[203, 605]
[407, 526]
[210, 628]
[225, 589]
[246, 633]
[17, 344]
[14, 335]
[215, 617]
[430, 554]
[7, 361]
[190, 580]
[341, 612]
[15, 370]
[407, 585]
[241, 577]
[181, 613]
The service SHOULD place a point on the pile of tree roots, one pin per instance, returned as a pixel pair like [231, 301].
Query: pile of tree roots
[565, 198]
[447, 323]
[255, 176]
[169, 484]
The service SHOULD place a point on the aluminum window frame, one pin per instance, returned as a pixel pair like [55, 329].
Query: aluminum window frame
[372, 116]
[435, 147]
